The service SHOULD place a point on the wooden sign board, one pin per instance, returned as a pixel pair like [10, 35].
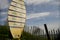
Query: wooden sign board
[16, 17]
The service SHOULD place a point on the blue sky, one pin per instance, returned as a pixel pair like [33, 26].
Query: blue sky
[39, 12]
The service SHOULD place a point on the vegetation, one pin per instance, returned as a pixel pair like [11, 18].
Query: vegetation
[4, 32]
[28, 36]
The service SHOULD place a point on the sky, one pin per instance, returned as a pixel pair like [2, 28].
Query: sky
[39, 12]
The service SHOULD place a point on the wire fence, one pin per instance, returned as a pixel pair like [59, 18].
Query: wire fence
[53, 35]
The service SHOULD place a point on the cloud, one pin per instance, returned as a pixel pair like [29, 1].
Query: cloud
[55, 2]
[37, 15]
[43, 7]
[48, 9]
[3, 16]
[55, 14]
[3, 13]
[4, 4]
[51, 25]
[36, 1]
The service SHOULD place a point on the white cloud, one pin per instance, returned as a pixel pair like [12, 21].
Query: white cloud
[3, 13]
[37, 15]
[36, 1]
[4, 4]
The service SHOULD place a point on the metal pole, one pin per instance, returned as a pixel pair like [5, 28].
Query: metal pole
[47, 32]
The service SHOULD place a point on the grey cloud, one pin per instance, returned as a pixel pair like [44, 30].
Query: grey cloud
[4, 4]
[43, 7]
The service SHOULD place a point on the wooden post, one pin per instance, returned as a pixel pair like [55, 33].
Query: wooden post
[47, 32]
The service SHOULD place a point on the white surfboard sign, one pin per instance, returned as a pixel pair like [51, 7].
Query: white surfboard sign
[16, 17]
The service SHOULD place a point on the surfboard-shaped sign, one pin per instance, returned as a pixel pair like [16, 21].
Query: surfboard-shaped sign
[16, 17]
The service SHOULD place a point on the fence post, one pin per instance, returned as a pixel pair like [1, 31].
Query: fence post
[47, 32]
[53, 34]
[43, 34]
[58, 31]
